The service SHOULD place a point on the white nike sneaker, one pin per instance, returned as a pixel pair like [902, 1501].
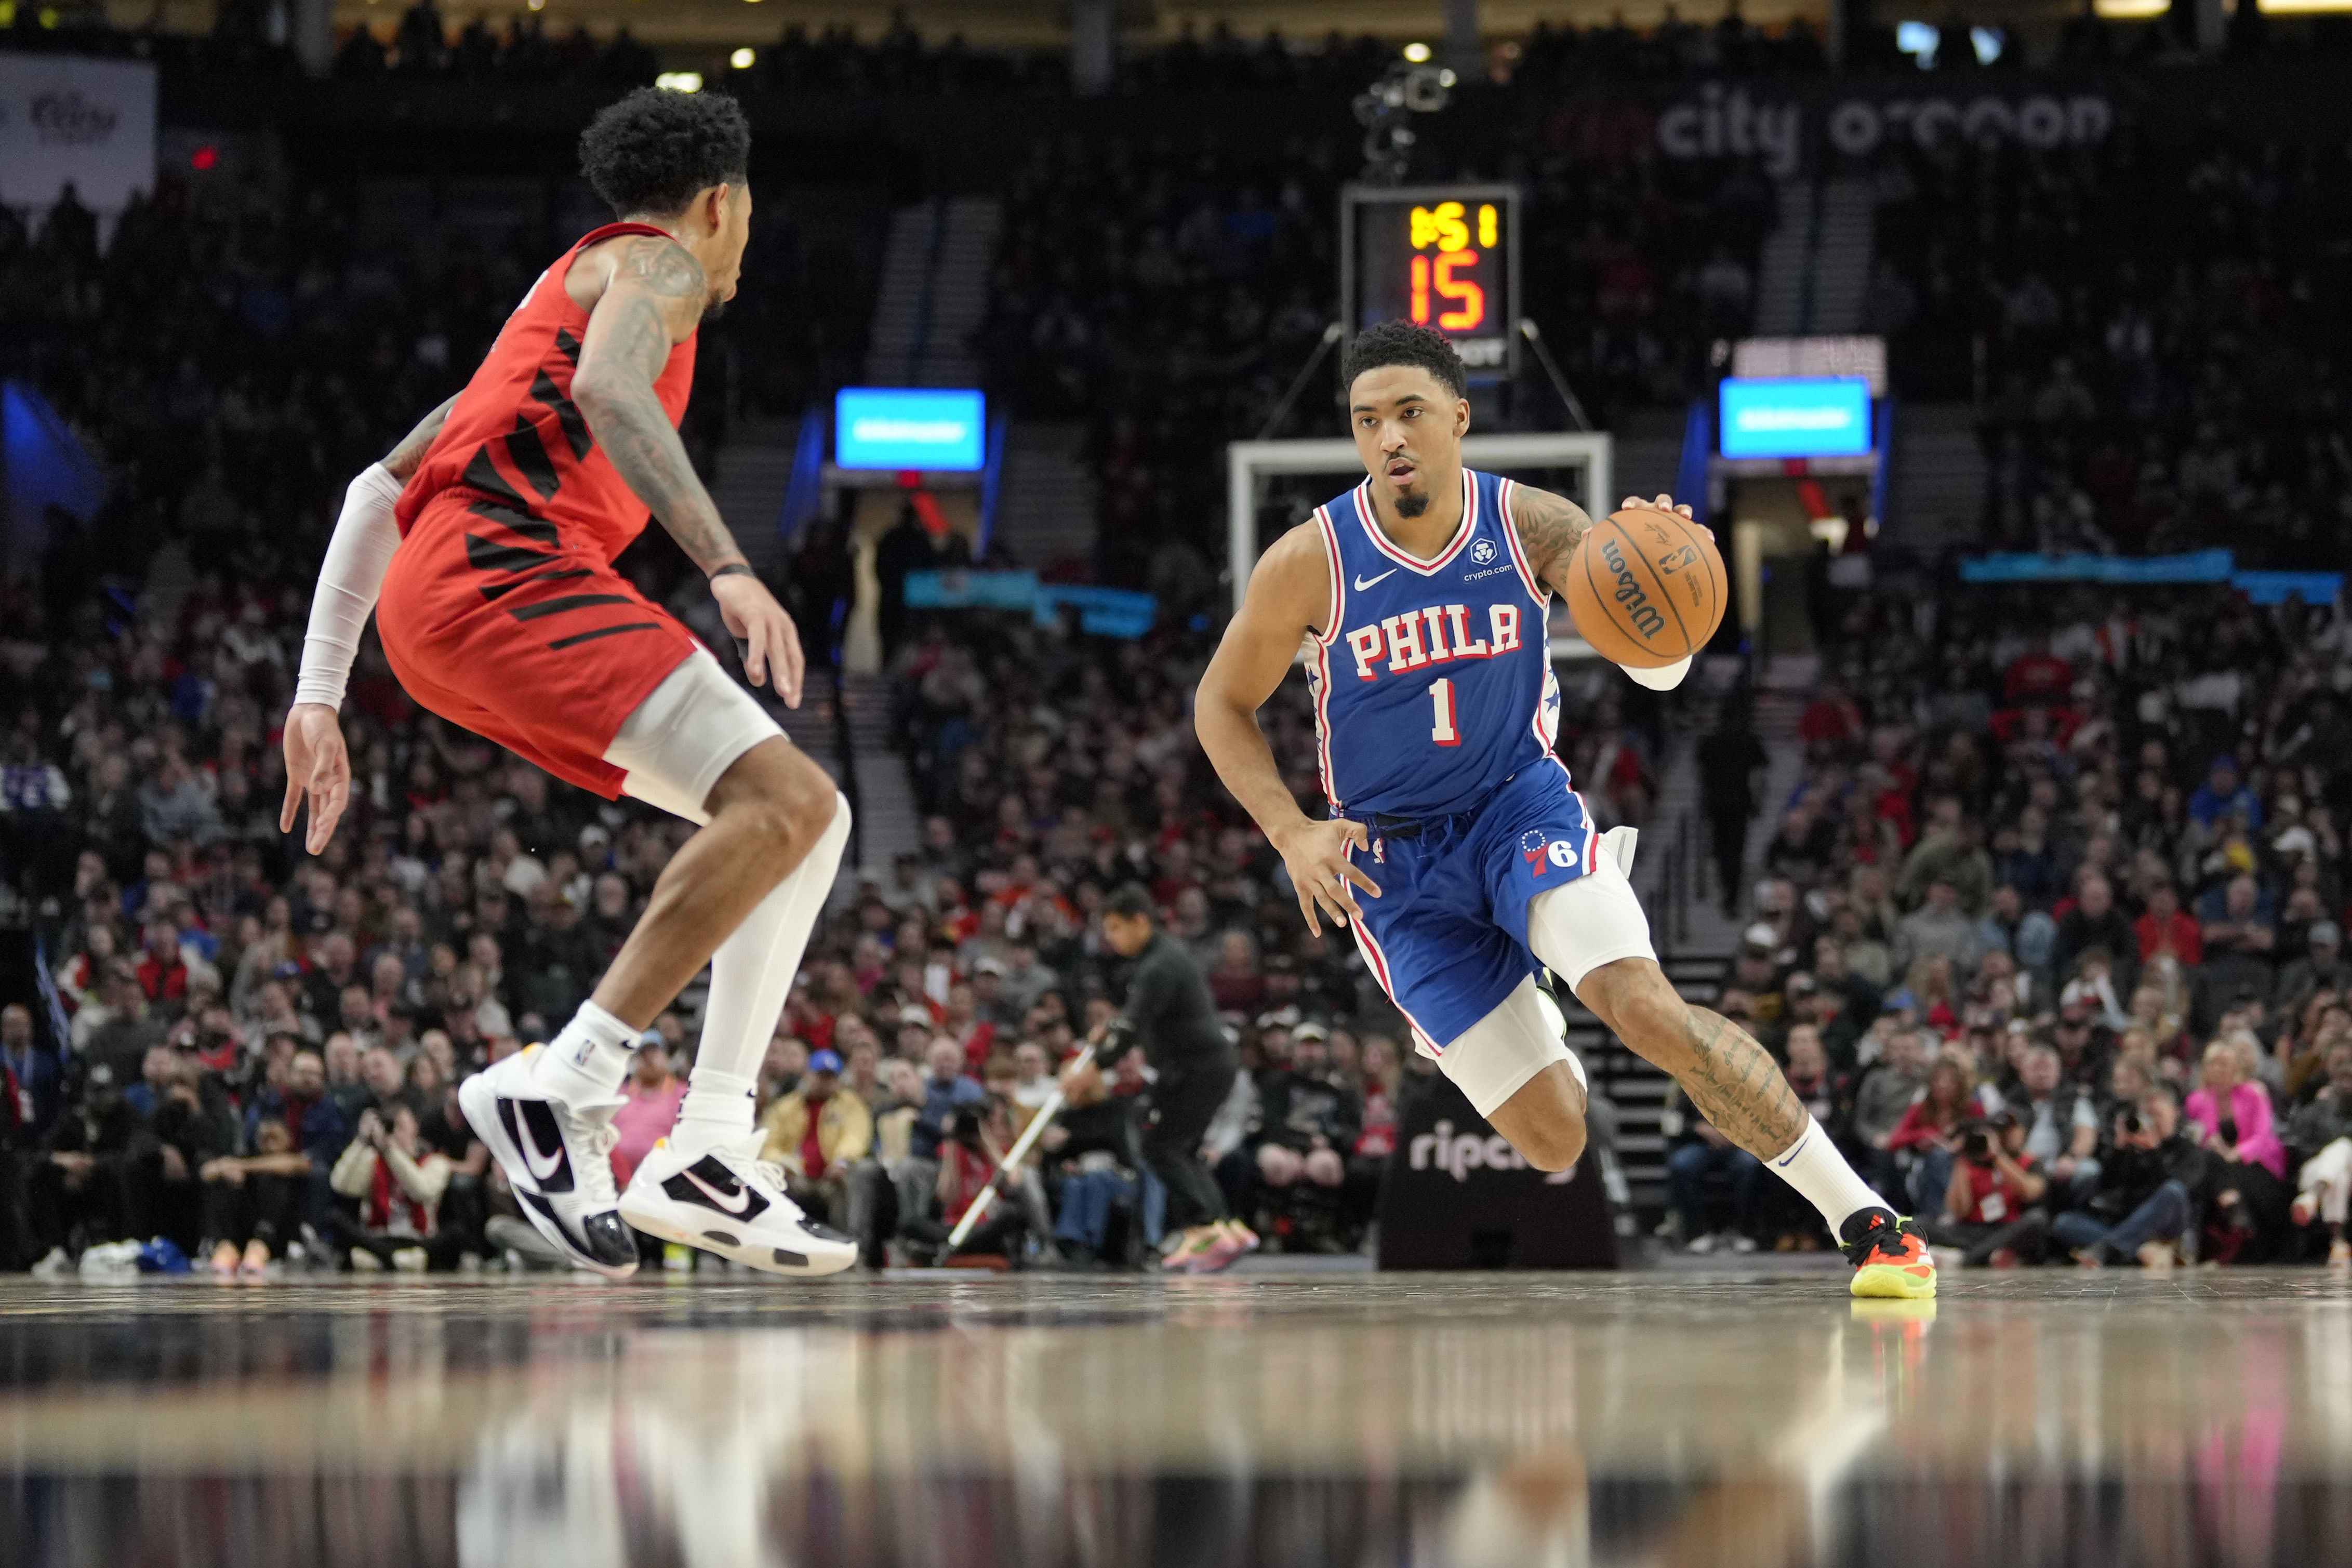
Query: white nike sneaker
[722, 1197]
[558, 1159]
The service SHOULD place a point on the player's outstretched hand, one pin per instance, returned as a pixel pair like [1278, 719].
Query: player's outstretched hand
[770, 643]
[317, 766]
[1316, 855]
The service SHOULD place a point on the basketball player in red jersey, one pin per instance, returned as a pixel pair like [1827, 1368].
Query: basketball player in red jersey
[490, 534]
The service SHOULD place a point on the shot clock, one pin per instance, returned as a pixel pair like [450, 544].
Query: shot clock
[1445, 257]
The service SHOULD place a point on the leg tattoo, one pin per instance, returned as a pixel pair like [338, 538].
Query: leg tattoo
[1736, 1085]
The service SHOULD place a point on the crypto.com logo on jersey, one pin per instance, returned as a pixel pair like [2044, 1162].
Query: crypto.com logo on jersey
[1719, 120]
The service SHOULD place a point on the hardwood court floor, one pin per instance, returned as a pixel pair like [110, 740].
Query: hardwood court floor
[1519, 1420]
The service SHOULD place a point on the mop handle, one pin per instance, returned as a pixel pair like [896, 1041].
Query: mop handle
[1013, 1156]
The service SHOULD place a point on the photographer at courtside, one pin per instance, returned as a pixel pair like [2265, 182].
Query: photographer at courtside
[1171, 1015]
[1989, 1213]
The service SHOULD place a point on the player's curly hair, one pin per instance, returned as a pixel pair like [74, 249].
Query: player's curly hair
[652, 151]
[1402, 343]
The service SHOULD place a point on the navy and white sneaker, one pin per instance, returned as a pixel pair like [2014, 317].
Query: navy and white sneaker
[722, 1197]
[558, 1158]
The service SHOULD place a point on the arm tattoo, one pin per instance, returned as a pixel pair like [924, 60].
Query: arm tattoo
[402, 461]
[1549, 528]
[656, 283]
[1736, 1086]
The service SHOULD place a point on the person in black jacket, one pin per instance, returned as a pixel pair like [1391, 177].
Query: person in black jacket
[2149, 1176]
[1172, 1017]
[1310, 1122]
[76, 1189]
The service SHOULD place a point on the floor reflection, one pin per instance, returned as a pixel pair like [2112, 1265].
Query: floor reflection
[1484, 1422]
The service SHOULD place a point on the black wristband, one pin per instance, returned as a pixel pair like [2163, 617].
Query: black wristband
[733, 568]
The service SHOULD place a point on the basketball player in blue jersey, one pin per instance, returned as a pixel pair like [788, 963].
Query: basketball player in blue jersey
[1419, 600]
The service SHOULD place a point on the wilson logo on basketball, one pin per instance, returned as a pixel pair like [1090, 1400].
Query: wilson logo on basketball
[1642, 616]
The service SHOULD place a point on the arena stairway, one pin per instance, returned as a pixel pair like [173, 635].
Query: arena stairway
[1648, 454]
[934, 293]
[1674, 874]
[754, 468]
[1046, 516]
[1816, 261]
[888, 823]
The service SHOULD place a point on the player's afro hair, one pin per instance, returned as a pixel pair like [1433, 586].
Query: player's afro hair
[1401, 342]
[651, 152]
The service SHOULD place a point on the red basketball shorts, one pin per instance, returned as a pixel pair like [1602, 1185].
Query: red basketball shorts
[503, 626]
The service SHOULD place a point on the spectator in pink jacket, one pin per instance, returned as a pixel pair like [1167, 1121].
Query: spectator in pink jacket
[2230, 1115]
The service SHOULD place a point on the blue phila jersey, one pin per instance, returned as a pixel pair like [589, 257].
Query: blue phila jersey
[1432, 679]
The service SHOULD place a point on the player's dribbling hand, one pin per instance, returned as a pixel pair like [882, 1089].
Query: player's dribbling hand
[317, 766]
[1663, 504]
[1316, 855]
[762, 628]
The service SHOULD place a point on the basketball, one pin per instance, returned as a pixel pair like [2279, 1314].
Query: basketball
[1647, 588]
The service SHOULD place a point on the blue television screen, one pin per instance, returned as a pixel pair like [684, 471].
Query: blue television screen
[907, 427]
[1795, 417]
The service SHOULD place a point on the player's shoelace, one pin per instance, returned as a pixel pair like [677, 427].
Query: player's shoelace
[748, 1158]
[1886, 1231]
[596, 1140]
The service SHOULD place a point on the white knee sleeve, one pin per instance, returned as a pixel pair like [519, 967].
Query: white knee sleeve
[689, 732]
[1494, 1058]
[1595, 919]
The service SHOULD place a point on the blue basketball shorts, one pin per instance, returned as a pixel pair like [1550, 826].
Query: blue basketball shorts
[1447, 938]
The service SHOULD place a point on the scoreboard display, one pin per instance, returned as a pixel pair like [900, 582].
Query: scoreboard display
[1445, 257]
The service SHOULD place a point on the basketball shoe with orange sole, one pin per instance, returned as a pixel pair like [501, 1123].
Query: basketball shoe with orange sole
[1890, 1260]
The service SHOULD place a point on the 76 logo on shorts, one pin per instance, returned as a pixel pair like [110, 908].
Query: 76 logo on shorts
[1541, 856]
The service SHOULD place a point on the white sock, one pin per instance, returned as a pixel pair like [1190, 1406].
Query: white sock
[584, 1064]
[717, 1105]
[1814, 1167]
[751, 975]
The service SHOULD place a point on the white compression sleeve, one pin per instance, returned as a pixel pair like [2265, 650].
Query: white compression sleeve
[1664, 678]
[349, 580]
[751, 977]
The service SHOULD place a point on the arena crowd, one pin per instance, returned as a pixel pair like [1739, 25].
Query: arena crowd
[2051, 934]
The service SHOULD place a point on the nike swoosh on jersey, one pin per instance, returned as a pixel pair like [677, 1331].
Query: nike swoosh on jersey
[1364, 583]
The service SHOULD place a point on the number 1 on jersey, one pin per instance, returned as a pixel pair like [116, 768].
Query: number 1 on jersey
[1441, 697]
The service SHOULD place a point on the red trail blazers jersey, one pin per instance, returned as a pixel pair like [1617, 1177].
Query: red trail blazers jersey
[518, 443]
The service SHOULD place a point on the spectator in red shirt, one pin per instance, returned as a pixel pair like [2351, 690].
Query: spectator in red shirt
[1831, 722]
[965, 1026]
[162, 973]
[2168, 928]
[2040, 676]
[1987, 1210]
